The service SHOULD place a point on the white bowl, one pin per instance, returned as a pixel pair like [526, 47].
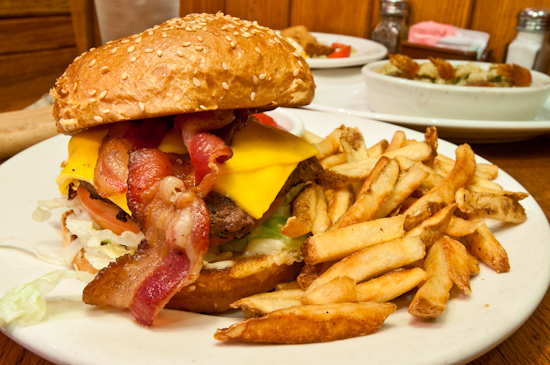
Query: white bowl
[394, 95]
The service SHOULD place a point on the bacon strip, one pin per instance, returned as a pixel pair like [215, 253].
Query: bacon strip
[111, 171]
[206, 150]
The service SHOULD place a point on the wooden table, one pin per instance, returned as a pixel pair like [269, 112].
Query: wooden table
[529, 163]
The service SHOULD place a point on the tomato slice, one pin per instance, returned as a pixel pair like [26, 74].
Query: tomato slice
[266, 119]
[342, 50]
[105, 214]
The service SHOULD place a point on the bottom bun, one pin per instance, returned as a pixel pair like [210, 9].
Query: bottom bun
[216, 289]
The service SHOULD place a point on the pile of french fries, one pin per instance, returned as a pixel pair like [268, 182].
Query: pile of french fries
[385, 220]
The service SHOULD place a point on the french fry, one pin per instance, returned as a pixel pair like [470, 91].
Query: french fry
[372, 198]
[333, 160]
[353, 144]
[378, 149]
[484, 171]
[376, 170]
[389, 286]
[261, 304]
[310, 323]
[374, 260]
[321, 221]
[443, 193]
[398, 141]
[406, 184]
[303, 210]
[493, 206]
[459, 227]
[339, 200]
[337, 290]
[311, 137]
[431, 298]
[517, 196]
[335, 244]
[329, 145]
[431, 180]
[433, 228]
[287, 285]
[459, 263]
[483, 245]
[344, 174]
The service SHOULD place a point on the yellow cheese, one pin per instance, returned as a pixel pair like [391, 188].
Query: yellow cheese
[263, 159]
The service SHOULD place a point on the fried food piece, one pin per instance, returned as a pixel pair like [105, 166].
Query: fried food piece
[405, 64]
[310, 323]
[444, 68]
[310, 44]
[519, 76]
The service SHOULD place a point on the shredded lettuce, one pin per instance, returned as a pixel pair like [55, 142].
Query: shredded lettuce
[26, 304]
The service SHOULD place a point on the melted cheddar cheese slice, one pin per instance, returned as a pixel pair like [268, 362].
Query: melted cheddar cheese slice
[263, 159]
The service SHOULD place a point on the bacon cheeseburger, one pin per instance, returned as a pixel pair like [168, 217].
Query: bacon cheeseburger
[177, 193]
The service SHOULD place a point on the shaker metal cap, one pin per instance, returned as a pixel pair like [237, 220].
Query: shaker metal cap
[534, 20]
[394, 7]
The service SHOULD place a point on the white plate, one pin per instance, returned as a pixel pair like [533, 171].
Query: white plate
[74, 333]
[366, 51]
[344, 91]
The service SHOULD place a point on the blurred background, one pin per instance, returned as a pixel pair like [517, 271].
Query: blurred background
[40, 38]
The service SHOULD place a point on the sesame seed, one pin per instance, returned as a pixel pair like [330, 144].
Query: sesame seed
[233, 44]
[164, 35]
[224, 27]
[246, 35]
[133, 59]
[300, 63]
[199, 48]
[228, 38]
[148, 50]
[113, 51]
[205, 28]
[159, 53]
[199, 38]
[138, 40]
[255, 79]
[124, 41]
[179, 53]
[253, 96]
[296, 72]
[202, 107]
[262, 76]
[277, 40]
[236, 33]
[102, 95]
[98, 119]
[225, 85]
[124, 75]
[189, 29]
[91, 92]
[106, 111]
[270, 40]
[258, 50]
[92, 100]
[104, 69]
[296, 53]
[92, 62]
[196, 82]
[225, 66]
[131, 49]
[75, 85]
[150, 32]
[186, 44]
[141, 106]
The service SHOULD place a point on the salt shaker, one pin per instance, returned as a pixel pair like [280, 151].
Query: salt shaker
[392, 28]
[531, 47]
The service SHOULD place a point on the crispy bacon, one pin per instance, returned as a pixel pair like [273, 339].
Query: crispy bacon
[207, 151]
[175, 223]
[111, 171]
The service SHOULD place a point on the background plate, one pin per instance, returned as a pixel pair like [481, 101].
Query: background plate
[74, 333]
[343, 91]
[367, 51]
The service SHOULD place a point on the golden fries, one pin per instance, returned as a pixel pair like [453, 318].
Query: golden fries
[383, 220]
[310, 323]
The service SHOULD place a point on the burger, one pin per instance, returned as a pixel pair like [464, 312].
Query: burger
[176, 192]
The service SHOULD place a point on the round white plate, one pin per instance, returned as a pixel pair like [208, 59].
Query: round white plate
[75, 333]
[366, 51]
[344, 91]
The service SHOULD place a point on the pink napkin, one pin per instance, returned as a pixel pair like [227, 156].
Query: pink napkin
[429, 32]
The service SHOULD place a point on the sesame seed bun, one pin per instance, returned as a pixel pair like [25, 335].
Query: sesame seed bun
[185, 65]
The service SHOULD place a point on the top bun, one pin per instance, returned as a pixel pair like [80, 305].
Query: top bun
[185, 65]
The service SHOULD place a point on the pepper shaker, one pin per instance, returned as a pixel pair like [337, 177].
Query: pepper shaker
[531, 47]
[392, 28]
